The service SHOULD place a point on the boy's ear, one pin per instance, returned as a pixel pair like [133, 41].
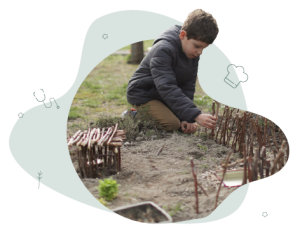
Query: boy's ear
[182, 34]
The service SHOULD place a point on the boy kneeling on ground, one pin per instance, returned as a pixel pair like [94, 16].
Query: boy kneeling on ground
[166, 78]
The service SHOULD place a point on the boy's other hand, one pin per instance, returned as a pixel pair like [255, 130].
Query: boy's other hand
[188, 127]
[207, 120]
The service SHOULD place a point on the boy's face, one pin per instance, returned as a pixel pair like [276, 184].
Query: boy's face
[191, 47]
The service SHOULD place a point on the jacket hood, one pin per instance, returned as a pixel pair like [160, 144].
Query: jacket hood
[171, 35]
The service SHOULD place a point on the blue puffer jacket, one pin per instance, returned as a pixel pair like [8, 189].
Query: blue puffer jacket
[167, 75]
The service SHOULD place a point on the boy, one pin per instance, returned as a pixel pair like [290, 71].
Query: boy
[165, 79]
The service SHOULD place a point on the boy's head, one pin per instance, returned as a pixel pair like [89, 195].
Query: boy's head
[198, 31]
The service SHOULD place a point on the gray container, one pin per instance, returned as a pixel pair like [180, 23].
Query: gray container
[147, 212]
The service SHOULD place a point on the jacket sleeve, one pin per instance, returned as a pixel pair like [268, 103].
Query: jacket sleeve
[166, 85]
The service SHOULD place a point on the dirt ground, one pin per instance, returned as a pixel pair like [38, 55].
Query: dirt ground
[167, 180]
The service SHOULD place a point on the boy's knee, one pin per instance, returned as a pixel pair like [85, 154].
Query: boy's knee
[173, 125]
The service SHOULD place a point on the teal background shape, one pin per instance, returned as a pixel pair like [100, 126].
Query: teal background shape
[38, 141]
[211, 73]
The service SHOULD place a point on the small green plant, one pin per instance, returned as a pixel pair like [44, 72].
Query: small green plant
[202, 147]
[108, 189]
[173, 210]
[102, 201]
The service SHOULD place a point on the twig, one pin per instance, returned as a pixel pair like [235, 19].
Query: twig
[224, 171]
[195, 184]
[229, 128]
[202, 189]
[226, 125]
[245, 165]
[73, 137]
[250, 168]
[112, 135]
[274, 136]
[159, 151]
[254, 170]
[265, 132]
[213, 113]
[268, 166]
[220, 124]
[277, 159]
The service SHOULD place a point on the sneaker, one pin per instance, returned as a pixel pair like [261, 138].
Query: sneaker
[133, 111]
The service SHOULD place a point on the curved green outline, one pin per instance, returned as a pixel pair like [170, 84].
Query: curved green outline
[243, 68]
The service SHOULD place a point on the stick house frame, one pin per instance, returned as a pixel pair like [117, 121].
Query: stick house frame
[98, 150]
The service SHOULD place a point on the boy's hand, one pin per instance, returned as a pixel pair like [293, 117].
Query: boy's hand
[207, 120]
[188, 127]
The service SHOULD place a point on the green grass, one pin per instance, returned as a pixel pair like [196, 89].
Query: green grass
[172, 210]
[74, 113]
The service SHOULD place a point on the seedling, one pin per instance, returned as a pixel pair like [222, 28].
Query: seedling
[108, 189]
[202, 147]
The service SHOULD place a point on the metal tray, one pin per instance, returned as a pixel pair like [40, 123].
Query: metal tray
[147, 212]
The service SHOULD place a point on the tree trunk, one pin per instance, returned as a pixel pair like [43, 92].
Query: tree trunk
[137, 53]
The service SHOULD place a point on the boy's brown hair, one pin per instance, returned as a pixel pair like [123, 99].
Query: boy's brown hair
[201, 25]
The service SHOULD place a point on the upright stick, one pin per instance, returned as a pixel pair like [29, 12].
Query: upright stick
[195, 183]
[224, 172]
[245, 165]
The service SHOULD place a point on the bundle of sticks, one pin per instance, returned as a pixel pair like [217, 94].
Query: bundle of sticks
[90, 145]
[108, 136]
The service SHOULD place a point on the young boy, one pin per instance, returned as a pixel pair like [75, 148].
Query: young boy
[166, 78]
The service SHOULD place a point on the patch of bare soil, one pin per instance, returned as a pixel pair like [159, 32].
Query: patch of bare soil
[167, 180]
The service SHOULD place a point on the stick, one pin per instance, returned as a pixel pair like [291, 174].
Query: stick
[75, 140]
[274, 136]
[223, 127]
[74, 136]
[115, 144]
[242, 139]
[268, 167]
[84, 143]
[245, 166]
[254, 170]
[250, 169]
[213, 113]
[159, 151]
[274, 167]
[237, 131]
[116, 127]
[229, 128]
[224, 171]
[195, 184]
[216, 138]
[104, 137]
[226, 125]
[265, 132]
[97, 137]
[202, 189]
[78, 159]
[90, 138]
[81, 140]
